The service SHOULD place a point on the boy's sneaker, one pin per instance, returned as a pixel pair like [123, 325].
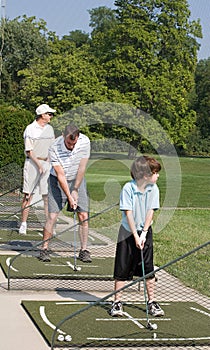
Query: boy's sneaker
[154, 309]
[117, 309]
[44, 255]
[23, 228]
[84, 255]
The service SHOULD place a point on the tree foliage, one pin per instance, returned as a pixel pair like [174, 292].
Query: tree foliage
[142, 54]
[64, 79]
[13, 122]
[24, 39]
[151, 58]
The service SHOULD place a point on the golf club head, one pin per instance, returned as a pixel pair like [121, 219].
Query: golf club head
[151, 326]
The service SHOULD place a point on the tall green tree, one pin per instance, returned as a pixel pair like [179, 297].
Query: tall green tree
[66, 78]
[23, 39]
[202, 88]
[150, 56]
[78, 37]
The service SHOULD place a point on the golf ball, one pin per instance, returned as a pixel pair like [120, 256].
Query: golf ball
[68, 338]
[61, 337]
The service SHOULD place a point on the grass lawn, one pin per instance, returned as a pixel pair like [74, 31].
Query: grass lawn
[188, 226]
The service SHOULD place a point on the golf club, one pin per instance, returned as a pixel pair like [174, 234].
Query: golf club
[75, 244]
[150, 326]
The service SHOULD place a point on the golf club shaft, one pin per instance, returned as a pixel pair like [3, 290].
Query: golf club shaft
[75, 241]
[145, 287]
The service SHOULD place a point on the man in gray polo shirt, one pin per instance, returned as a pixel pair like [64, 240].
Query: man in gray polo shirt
[69, 156]
[38, 137]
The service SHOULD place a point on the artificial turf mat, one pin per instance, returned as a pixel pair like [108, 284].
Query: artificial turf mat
[86, 324]
[64, 239]
[29, 267]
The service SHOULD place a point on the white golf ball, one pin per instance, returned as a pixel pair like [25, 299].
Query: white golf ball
[68, 338]
[61, 337]
[154, 326]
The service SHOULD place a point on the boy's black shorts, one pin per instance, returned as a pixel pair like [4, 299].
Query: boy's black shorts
[128, 256]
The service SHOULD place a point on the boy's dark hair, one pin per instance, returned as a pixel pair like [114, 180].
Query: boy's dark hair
[72, 131]
[144, 166]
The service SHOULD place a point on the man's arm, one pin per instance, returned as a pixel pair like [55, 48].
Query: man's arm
[80, 172]
[30, 154]
[64, 185]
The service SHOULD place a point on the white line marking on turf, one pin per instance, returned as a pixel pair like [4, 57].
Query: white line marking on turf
[118, 319]
[200, 311]
[133, 320]
[46, 320]
[72, 302]
[147, 339]
[8, 264]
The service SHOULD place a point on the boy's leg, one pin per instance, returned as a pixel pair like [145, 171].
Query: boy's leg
[150, 284]
[118, 285]
[117, 309]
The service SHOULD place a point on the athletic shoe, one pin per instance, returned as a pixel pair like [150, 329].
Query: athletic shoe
[84, 255]
[44, 255]
[117, 309]
[154, 309]
[23, 228]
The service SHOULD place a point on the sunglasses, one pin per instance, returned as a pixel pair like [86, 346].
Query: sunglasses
[50, 114]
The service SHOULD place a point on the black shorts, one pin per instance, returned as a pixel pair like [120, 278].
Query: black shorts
[128, 256]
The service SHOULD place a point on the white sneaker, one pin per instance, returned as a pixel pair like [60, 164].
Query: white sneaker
[23, 228]
[117, 309]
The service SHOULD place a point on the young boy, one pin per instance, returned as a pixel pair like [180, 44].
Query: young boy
[139, 199]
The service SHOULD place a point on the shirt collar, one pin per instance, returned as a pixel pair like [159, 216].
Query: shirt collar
[136, 190]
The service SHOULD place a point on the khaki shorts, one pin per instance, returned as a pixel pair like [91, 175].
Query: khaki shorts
[57, 198]
[32, 180]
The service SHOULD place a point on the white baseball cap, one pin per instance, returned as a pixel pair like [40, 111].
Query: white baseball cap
[42, 109]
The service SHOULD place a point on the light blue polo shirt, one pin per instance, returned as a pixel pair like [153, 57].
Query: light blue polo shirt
[132, 199]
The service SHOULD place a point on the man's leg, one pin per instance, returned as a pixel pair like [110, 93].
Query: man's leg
[47, 234]
[48, 229]
[25, 212]
[45, 200]
[84, 254]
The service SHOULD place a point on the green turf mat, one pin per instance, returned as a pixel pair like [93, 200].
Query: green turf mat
[62, 240]
[184, 323]
[29, 267]
[12, 234]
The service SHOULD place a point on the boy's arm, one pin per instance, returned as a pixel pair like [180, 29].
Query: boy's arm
[131, 223]
[147, 224]
[148, 221]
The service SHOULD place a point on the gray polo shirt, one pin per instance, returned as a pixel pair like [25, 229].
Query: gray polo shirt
[69, 160]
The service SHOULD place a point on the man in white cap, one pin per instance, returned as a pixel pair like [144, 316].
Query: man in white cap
[38, 137]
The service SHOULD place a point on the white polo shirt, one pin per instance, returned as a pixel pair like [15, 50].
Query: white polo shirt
[69, 160]
[38, 139]
[132, 199]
